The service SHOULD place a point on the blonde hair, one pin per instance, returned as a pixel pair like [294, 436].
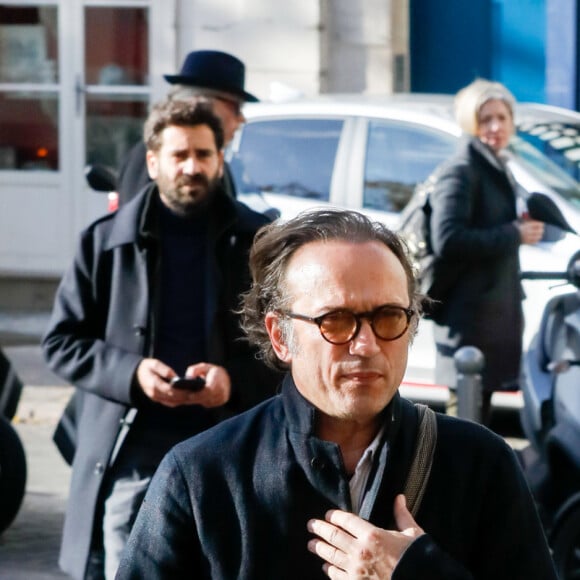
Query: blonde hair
[470, 99]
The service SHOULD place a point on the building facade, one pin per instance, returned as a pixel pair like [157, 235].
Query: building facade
[77, 78]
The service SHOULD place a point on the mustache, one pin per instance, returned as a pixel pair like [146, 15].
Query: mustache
[192, 180]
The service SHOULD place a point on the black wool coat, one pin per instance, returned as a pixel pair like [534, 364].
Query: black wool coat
[473, 230]
[233, 502]
[103, 325]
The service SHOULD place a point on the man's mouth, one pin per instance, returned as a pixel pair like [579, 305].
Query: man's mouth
[362, 376]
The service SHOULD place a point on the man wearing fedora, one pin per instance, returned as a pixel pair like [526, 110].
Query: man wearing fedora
[213, 74]
[152, 295]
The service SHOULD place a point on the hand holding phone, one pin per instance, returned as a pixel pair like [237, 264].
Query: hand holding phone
[188, 384]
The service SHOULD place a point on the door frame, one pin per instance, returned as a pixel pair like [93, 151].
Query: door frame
[44, 211]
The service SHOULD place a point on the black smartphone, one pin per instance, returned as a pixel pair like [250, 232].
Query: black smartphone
[195, 384]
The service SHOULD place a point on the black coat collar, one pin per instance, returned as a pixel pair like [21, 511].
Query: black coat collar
[302, 414]
[135, 222]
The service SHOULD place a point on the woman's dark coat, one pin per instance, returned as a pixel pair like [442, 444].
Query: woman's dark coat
[103, 325]
[473, 232]
[233, 502]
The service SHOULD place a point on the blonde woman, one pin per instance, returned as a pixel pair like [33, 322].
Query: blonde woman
[475, 228]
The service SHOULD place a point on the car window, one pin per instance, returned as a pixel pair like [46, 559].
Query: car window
[545, 170]
[400, 155]
[286, 156]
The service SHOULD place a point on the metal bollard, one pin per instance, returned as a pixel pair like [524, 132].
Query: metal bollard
[469, 362]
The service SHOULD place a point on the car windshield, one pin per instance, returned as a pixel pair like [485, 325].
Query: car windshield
[546, 171]
[292, 157]
[557, 140]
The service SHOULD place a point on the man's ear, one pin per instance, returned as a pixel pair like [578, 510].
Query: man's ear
[272, 322]
[152, 164]
[221, 162]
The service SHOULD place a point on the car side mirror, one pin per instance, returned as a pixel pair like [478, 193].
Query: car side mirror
[100, 178]
[542, 208]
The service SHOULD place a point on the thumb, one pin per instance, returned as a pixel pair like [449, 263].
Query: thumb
[405, 521]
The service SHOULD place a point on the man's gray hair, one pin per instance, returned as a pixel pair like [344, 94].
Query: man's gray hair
[184, 92]
[273, 248]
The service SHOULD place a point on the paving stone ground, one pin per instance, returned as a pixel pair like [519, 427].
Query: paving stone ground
[29, 547]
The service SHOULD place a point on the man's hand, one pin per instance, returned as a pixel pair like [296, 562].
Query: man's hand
[154, 376]
[355, 549]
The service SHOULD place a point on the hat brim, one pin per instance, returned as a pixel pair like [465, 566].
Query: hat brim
[193, 82]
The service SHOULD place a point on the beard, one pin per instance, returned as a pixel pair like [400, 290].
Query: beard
[189, 193]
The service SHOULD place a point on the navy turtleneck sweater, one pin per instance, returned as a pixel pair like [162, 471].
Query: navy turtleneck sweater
[182, 323]
[181, 316]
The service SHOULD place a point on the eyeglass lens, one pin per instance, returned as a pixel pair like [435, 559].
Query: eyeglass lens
[388, 323]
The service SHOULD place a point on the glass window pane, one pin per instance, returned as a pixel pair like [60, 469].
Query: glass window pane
[28, 44]
[29, 136]
[558, 141]
[116, 46]
[114, 125]
[290, 157]
[398, 157]
[545, 170]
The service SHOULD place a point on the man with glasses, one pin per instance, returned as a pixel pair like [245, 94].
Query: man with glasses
[310, 483]
[213, 74]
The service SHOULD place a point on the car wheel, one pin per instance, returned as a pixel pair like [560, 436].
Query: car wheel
[565, 542]
[12, 473]
[10, 387]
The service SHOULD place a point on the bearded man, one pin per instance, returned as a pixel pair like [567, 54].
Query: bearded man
[151, 296]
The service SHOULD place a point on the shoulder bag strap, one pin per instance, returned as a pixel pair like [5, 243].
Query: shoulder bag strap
[422, 459]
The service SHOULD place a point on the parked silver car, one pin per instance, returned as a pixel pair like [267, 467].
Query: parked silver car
[368, 153]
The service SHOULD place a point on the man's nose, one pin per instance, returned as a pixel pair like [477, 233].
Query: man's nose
[189, 166]
[365, 343]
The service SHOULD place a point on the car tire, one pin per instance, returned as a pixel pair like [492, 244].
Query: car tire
[12, 474]
[565, 544]
[10, 387]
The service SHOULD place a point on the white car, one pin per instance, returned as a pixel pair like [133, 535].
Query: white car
[368, 153]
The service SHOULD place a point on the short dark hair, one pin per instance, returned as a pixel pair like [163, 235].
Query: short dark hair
[276, 243]
[186, 113]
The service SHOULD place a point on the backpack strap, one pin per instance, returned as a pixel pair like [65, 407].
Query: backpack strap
[422, 459]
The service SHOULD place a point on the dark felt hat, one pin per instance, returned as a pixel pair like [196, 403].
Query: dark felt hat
[215, 70]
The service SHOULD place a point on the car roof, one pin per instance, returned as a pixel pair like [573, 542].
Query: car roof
[540, 113]
[431, 108]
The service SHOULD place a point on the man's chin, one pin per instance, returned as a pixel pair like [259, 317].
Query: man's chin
[197, 200]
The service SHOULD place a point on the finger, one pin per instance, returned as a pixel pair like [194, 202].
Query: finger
[349, 522]
[405, 521]
[175, 397]
[331, 534]
[333, 572]
[162, 370]
[330, 554]
[198, 370]
[214, 375]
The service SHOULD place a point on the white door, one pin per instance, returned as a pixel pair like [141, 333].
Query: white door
[75, 85]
